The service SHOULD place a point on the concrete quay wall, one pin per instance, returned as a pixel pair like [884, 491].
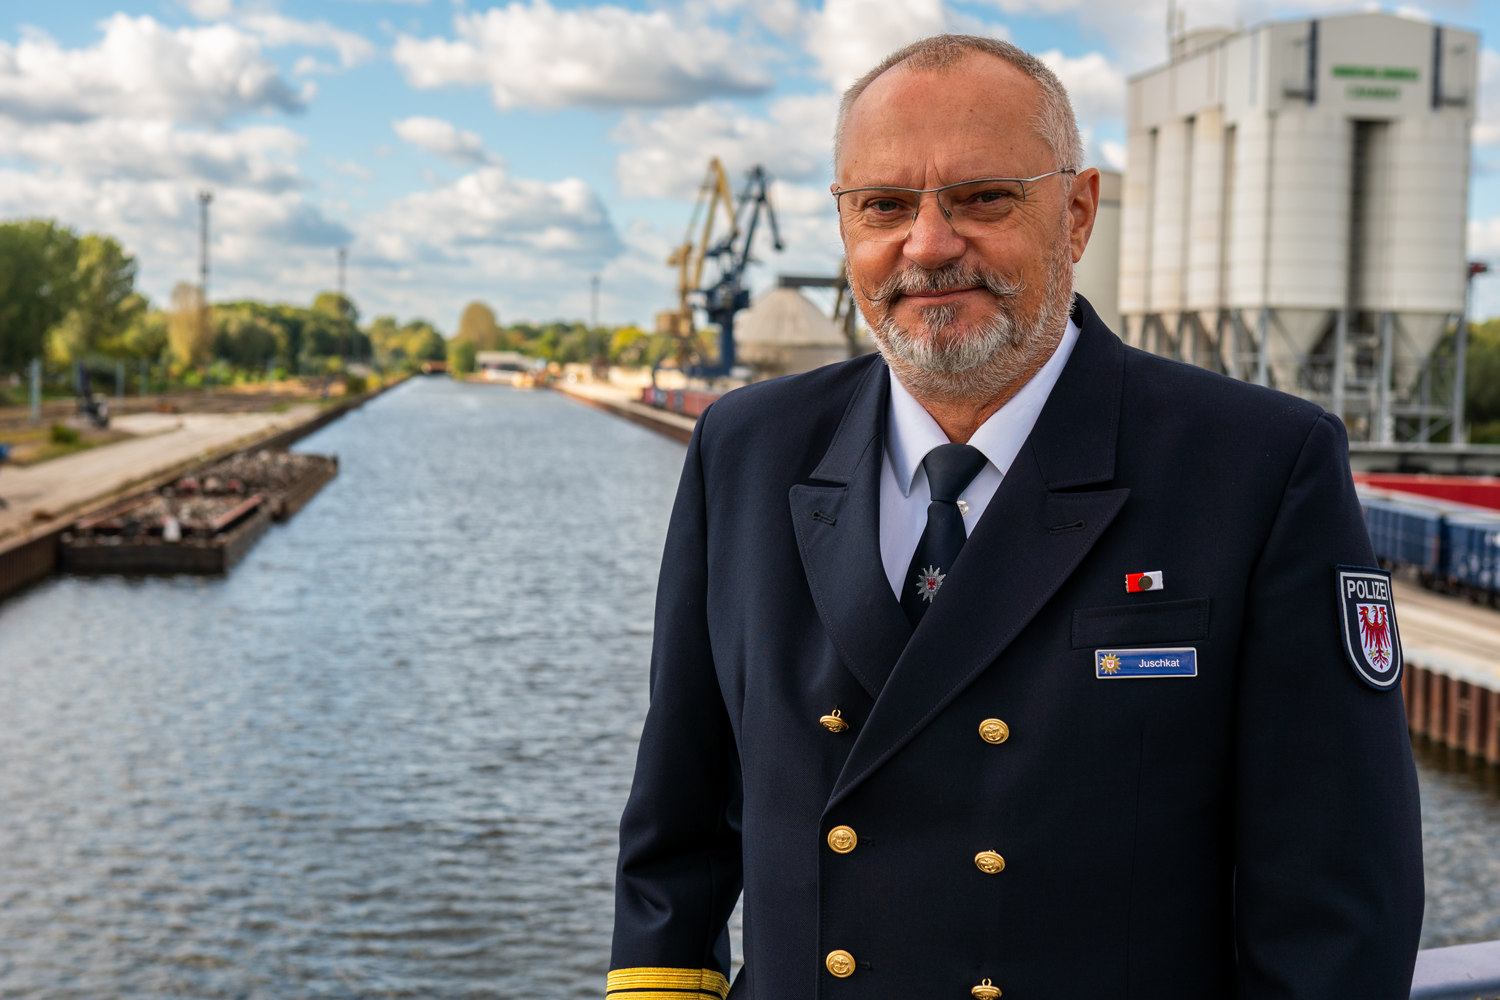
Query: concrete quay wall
[31, 553]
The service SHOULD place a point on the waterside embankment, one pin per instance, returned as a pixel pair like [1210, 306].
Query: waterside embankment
[44, 500]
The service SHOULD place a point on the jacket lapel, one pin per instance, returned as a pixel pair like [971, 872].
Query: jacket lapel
[1031, 538]
[838, 533]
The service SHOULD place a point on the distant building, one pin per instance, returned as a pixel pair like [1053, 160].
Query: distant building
[784, 332]
[503, 361]
[1294, 211]
[1097, 275]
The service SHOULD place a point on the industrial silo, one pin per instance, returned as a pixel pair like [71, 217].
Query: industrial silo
[1294, 207]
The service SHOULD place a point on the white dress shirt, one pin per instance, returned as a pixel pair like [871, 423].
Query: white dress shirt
[910, 433]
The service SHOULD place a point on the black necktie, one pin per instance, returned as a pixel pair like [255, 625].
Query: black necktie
[950, 470]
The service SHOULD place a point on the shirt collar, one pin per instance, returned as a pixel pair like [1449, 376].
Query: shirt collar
[910, 431]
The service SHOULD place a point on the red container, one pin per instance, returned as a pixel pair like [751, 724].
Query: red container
[1481, 491]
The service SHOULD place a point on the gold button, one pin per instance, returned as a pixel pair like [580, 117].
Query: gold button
[842, 839]
[834, 723]
[989, 862]
[840, 963]
[984, 991]
[994, 731]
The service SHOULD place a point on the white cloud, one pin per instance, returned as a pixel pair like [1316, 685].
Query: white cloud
[441, 137]
[142, 69]
[669, 150]
[1096, 86]
[261, 240]
[1113, 154]
[850, 37]
[1487, 124]
[525, 246]
[1484, 237]
[257, 156]
[277, 30]
[534, 55]
[488, 210]
[348, 168]
[209, 10]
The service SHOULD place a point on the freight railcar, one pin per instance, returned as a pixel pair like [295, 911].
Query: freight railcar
[1453, 547]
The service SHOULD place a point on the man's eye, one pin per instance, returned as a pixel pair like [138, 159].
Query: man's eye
[884, 206]
[992, 197]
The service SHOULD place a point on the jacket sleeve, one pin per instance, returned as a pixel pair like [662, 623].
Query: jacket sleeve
[1328, 840]
[680, 873]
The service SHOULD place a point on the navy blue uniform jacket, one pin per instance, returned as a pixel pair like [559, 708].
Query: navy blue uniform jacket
[1250, 832]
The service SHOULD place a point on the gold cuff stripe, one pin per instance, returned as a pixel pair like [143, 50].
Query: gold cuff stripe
[658, 995]
[701, 980]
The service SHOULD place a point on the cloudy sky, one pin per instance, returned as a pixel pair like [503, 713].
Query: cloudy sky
[508, 152]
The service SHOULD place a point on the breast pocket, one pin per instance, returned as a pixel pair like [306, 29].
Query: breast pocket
[1141, 624]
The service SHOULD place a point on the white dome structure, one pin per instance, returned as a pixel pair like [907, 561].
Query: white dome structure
[784, 333]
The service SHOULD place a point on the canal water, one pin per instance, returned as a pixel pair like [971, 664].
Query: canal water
[385, 757]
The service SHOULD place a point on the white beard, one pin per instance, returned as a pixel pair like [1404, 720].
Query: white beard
[944, 362]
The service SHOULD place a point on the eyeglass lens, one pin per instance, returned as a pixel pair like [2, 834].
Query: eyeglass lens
[979, 208]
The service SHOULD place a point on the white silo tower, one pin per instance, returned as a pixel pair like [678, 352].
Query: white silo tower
[1294, 209]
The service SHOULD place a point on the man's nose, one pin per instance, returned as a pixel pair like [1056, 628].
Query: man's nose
[932, 241]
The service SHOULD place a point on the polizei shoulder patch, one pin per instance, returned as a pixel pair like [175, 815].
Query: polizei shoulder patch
[1367, 613]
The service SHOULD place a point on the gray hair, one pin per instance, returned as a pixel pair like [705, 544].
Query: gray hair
[1054, 121]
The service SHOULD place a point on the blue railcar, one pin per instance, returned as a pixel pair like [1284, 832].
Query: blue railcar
[1404, 531]
[1471, 551]
[1451, 545]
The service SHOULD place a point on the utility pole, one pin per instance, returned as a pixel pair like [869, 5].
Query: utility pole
[204, 198]
[1459, 433]
[343, 254]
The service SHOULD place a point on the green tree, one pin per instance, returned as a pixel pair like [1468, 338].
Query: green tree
[334, 328]
[145, 337]
[426, 344]
[479, 327]
[188, 330]
[245, 337]
[103, 304]
[38, 259]
[1482, 383]
[461, 355]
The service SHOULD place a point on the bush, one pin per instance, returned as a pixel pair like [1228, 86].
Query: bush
[461, 356]
[355, 384]
[63, 434]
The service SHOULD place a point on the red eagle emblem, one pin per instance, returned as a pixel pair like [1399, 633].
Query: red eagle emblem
[1375, 635]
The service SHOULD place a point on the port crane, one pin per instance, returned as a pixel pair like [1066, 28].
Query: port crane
[731, 254]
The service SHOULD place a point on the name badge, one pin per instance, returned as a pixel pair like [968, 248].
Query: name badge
[1175, 661]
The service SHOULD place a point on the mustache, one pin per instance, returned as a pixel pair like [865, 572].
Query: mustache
[949, 277]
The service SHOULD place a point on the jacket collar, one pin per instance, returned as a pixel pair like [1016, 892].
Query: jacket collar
[837, 522]
[1035, 532]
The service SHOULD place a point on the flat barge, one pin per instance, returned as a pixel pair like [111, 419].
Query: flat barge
[202, 523]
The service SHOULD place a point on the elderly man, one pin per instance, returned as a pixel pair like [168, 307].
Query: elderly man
[1013, 659]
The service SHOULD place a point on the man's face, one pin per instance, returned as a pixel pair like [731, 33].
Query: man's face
[926, 129]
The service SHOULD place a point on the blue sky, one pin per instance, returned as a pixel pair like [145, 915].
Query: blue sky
[507, 152]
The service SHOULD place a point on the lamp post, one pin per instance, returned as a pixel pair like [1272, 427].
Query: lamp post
[343, 256]
[204, 198]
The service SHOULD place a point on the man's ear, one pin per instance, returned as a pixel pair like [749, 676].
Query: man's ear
[1083, 209]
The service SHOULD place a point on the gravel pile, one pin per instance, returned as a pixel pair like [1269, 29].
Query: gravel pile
[264, 472]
